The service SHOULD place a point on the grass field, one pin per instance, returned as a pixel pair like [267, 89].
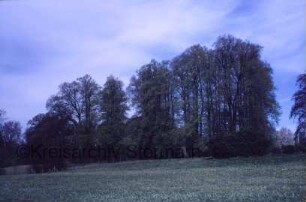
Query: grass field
[269, 178]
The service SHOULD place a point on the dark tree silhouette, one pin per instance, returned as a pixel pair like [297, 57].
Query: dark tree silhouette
[298, 110]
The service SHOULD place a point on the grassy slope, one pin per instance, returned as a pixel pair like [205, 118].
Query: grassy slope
[269, 178]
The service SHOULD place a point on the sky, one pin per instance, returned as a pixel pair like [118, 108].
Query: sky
[45, 43]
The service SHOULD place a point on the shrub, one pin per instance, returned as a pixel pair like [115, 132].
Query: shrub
[244, 143]
[288, 149]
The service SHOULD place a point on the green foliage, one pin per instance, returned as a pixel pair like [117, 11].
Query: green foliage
[113, 107]
[48, 131]
[152, 95]
[220, 101]
[133, 131]
[244, 143]
[226, 90]
[78, 100]
[189, 70]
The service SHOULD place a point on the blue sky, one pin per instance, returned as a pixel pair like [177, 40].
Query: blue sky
[44, 43]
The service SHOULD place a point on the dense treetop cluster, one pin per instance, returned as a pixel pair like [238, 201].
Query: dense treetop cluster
[220, 100]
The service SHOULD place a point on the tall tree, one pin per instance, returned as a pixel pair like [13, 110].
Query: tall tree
[188, 69]
[78, 100]
[152, 96]
[245, 86]
[246, 110]
[113, 108]
[225, 91]
[298, 110]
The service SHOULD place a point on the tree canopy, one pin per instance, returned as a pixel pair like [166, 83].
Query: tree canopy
[219, 100]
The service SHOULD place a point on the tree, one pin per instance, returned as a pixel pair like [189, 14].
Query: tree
[222, 99]
[11, 132]
[298, 110]
[152, 96]
[78, 101]
[89, 91]
[10, 138]
[113, 107]
[45, 132]
[246, 110]
[245, 86]
[284, 137]
[189, 69]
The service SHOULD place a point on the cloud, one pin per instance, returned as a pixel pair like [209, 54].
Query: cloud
[44, 43]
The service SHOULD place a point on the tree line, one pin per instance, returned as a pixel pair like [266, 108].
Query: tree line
[220, 101]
